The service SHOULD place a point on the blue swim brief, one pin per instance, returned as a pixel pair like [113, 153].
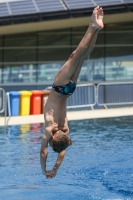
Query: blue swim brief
[67, 89]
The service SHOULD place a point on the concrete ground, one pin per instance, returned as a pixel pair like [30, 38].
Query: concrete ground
[72, 115]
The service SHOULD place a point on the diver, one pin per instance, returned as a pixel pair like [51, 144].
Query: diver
[56, 123]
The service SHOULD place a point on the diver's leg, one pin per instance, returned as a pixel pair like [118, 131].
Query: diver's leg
[78, 68]
[70, 70]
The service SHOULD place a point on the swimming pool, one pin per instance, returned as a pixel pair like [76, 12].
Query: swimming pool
[98, 166]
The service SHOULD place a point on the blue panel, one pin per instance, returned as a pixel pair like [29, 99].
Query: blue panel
[77, 4]
[34, 6]
[50, 5]
[106, 3]
[3, 10]
[22, 7]
[128, 1]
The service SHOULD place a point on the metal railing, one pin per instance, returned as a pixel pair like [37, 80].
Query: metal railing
[87, 95]
[9, 107]
[115, 93]
[2, 100]
[104, 94]
[84, 96]
[3, 103]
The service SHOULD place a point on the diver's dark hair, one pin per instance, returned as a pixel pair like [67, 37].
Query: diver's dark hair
[61, 142]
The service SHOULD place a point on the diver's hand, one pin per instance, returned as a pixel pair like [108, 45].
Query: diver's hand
[51, 173]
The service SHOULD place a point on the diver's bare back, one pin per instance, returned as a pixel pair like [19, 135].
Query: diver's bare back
[55, 112]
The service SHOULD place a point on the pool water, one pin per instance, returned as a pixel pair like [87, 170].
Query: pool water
[98, 166]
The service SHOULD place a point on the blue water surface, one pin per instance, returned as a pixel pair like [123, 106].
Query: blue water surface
[98, 166]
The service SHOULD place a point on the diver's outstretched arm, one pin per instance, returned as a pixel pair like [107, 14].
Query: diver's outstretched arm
[52, 173]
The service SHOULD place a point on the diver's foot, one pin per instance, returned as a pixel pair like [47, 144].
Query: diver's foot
[97, 18]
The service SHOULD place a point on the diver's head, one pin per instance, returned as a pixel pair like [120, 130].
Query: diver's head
[60, 141]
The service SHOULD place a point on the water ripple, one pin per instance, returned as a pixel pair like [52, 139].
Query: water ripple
[98, 166]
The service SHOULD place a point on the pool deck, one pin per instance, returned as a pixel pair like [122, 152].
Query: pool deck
[72, 115]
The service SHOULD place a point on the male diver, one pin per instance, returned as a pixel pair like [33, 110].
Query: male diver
[56, 123]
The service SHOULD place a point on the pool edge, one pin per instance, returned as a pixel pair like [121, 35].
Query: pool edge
[72, 115]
